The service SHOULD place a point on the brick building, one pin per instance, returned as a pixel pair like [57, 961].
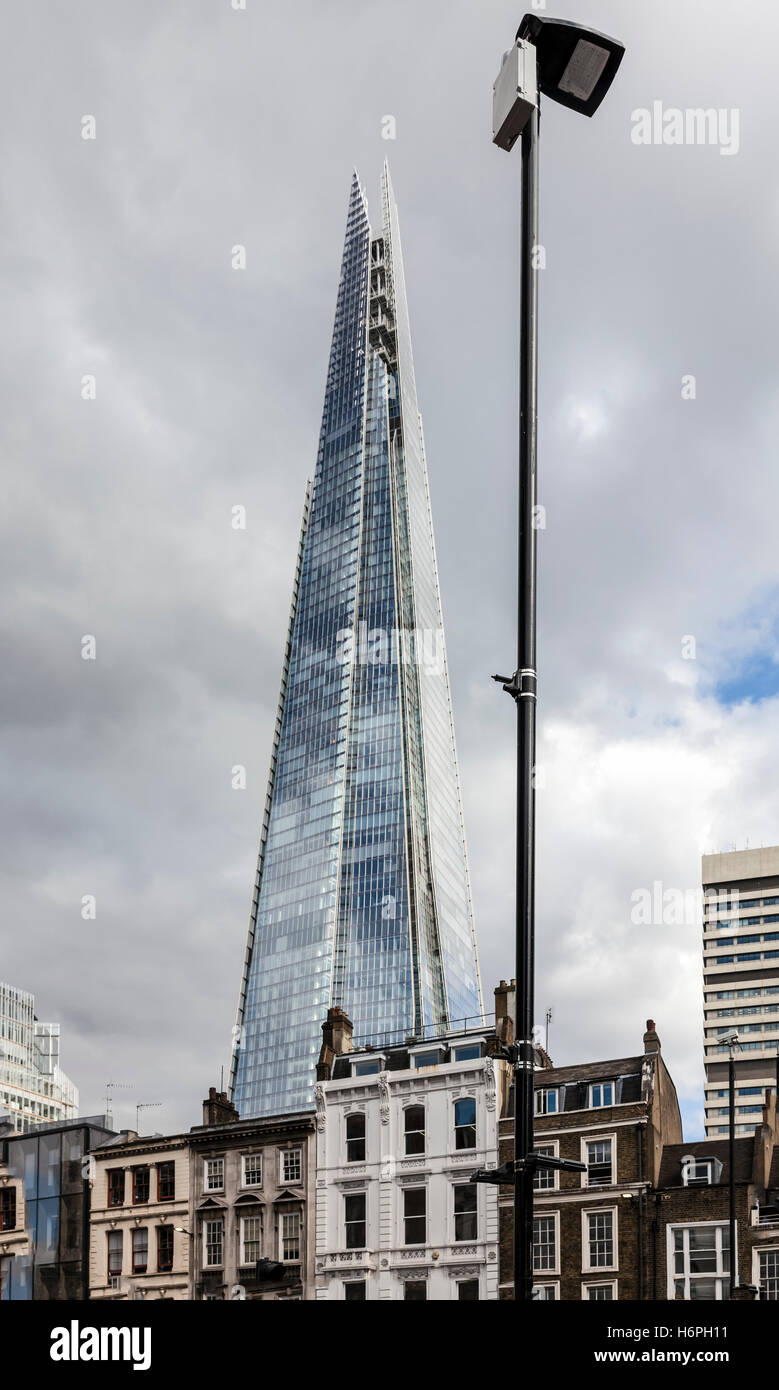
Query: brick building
[688, 1236]
[590, 1228]
[648, 1220]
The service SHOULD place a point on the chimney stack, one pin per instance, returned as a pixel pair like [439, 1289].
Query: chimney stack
[218, 1110]
[506, 1012]
[337, 1033]
[651, 1040]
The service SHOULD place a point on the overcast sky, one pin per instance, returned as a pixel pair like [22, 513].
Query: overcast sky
[217, 127]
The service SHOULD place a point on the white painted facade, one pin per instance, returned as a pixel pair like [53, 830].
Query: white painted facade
[388, 1261]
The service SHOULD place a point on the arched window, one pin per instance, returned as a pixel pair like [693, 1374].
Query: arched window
[415, 1129]
[465, 1123]
[355, 1138]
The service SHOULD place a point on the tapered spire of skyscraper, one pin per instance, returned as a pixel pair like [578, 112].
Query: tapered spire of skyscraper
[362, 896]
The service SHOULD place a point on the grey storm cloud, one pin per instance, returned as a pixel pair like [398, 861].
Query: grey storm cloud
[218, 127]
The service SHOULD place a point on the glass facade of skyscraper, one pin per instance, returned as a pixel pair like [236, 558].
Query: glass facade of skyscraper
[33, 1086]
[362, 896]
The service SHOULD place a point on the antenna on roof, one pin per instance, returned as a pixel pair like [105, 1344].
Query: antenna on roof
[110, 1087]
[149, 1105]
[548, 1021]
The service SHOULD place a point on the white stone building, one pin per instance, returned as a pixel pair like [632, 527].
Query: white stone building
[399, 1132]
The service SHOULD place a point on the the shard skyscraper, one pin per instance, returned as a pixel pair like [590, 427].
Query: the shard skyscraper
[362, 896]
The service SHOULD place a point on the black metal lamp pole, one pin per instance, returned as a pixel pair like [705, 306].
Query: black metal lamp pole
[732, 1166]
[573, 66]
[526, 682]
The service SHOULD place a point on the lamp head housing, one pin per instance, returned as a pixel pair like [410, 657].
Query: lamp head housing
[576, 66]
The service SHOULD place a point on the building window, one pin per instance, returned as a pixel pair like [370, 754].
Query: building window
[355, 1138]
[252, 1170]
[415, 1291]
[421, 1060]
[140, 1249]
[470, 1052]
[602, 1093]
[598, 1155]
[597, 1293]
[465, 1123]
[701, 1263]
[355, 1291]
[166, 1181]
[414, 1216]
[465, 1213]
[545, 1179]
[354, 1218]
[164, 1249]
[366, 1068]
[599, 1240]
[546, 1102]
[545, 1293]
[115, 1253]
[251, 1239]
[141, 1185]
[291, 1165]
[116, 1187]
[468, 1291]
[414, 1123]
[290, 1236]
[768, 1273]
[213, 1239]
[700, 1172]
[8, 1209]
[214, 1174]
[544, 1243]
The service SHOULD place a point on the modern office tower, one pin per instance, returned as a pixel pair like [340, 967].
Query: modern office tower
[33, 1087]
[362, 893]
[740, 981]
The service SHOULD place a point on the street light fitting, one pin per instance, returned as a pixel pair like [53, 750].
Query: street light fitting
[496, 1176]
[576, 66]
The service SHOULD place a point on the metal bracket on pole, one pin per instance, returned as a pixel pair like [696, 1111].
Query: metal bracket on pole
[523, 685]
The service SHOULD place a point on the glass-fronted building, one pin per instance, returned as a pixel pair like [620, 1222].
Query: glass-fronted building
[44, 1212]
[33, 1086]
[362, 895]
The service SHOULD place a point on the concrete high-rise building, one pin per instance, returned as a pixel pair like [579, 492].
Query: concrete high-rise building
[33, 1087]
[740, 981]
[362, 893]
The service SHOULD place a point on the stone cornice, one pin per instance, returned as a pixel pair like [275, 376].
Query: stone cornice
[243, 1132]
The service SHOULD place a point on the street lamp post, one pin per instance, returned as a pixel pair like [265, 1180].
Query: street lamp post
[575, 67]
[731, 1039]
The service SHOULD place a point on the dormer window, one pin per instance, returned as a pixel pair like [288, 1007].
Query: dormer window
[601, 1093]
[467, 1052]
[430, 1057]
[546, 1101]
[700, 1172]
[370, 1067]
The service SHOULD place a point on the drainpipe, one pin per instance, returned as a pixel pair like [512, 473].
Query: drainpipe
[640, 1155]
[655, 1228]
